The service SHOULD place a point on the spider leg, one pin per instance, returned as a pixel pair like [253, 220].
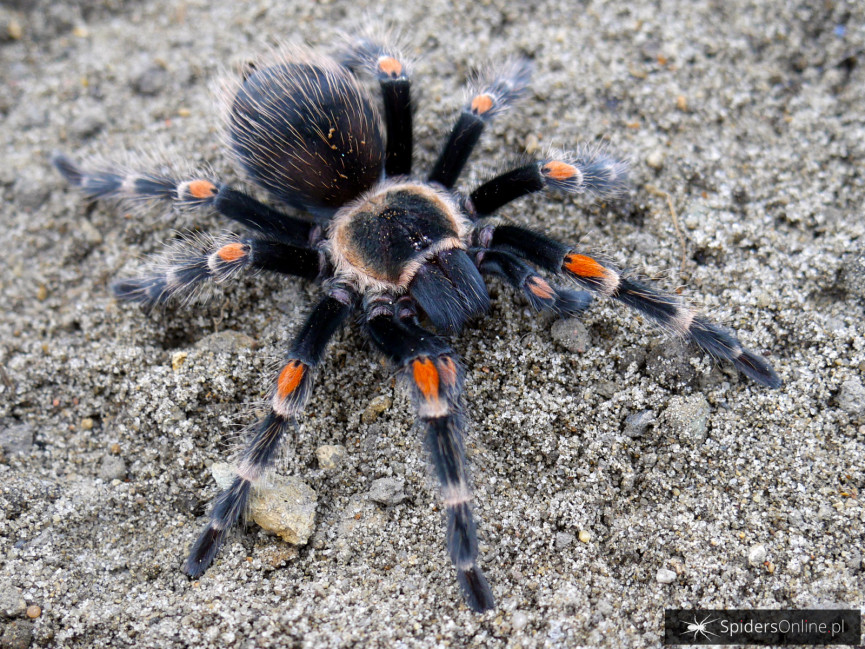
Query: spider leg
[604, 278]
[392, 72]
[539, 292]
[490, 94]
[120, 184]
[189, 268]
[290, 395]
[588, 170]
[436, 380]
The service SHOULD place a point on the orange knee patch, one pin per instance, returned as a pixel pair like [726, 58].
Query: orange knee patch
[583, 266]
[482, 104]
[448, 370]
[426, 378]
[289, 379]
[231, 252]
[539, 287]
[390, 66]
[201, 189]
[558, 170]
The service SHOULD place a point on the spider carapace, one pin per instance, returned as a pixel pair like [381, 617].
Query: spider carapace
[402, 252]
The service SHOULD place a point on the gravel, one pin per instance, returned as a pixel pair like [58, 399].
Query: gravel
[750, 115]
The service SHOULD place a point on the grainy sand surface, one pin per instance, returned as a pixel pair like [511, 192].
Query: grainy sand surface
[750, 115]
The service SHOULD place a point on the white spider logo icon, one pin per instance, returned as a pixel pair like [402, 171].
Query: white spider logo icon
[700, 627]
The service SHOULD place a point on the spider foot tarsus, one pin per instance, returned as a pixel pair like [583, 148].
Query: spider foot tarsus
[479, 597]
[113, 182]
[588, 170]
[227, 508]
[490, 93]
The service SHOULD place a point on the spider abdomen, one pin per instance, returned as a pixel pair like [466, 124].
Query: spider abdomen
[308, 133]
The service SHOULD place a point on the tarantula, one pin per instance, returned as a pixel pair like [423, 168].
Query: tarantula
[396, 249]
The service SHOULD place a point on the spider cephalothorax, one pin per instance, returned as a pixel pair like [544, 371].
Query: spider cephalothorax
[397, 249]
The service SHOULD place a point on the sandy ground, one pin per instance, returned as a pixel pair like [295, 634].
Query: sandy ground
[751, 117]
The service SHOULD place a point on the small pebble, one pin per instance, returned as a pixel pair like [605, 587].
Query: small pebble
[387, 491]
[670, 363]
[757, 555]
[86, 423]
[285, 507]
[655, 160]
[851, 399]
[14, 30]
[377, 406]
[666, 576]
[31, 191]
[563, 540]
[18, 634]
[519, 620]
[86, 123]
[112, 468]
[571, 334]
[585, 536]
[12, 602]
[688, 418]
[17, 439]
[275, 555]
[151, 81]
[851, 277]
[637, 423]
[225, 342]
[177, 360]
[33, 611]
[330, 457]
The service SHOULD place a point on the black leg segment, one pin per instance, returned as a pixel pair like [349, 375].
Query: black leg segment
[388, 66]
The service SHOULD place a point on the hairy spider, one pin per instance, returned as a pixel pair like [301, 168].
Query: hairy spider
[385, 244]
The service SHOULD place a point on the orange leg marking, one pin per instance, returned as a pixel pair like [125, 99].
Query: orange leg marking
[202, 189]
[539, 287]
[583, 266]
[390, 65]
[481, 104]
[289, 379]
[426, 377]
[559, 170]
[448, 370]
[232, 252]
